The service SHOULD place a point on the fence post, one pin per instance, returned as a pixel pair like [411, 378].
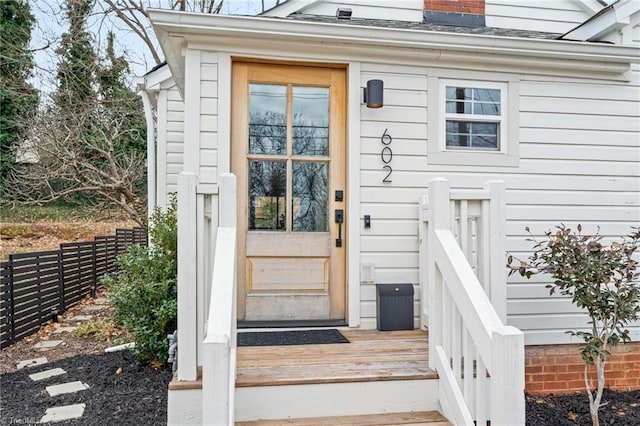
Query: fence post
[12, 322]
[439, 218]
[61, 289]
[507, 377]
[94, 273]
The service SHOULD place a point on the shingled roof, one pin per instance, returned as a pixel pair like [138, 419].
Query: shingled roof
[481, 30]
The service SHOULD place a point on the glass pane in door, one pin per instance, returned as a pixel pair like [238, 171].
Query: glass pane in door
[267, 119]
[310, 197]
[267, 195]
[310, 120]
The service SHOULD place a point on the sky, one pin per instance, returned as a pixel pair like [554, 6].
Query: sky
[50, 25]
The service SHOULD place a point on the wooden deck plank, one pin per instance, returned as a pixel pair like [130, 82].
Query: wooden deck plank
[428, 418]
[372, 355]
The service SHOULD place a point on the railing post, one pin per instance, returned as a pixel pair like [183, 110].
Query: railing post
[497, 247]
[439, 218]
[423, 258]
[228, 200]
[187, 303]
[507, 377]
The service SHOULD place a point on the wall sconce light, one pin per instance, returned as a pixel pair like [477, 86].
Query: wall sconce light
[373, 94]
[343, 13]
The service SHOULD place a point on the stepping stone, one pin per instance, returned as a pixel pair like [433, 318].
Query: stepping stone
[65, 412]
[47, 344]
[92, 308]
[101, 301]
[81, 318]
[64, 329]
[46, 374]
[31, 362]
[71, 387]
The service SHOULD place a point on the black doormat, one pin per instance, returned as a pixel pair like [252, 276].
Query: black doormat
[296, 337]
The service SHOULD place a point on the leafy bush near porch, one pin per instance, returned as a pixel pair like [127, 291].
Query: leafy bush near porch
[144, 290]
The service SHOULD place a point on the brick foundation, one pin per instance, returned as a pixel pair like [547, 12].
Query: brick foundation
[559, 369]
[460, 6]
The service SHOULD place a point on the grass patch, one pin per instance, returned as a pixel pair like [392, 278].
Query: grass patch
[104, 330]
[53, 212]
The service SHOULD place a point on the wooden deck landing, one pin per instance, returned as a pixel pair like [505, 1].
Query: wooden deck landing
[371, 356]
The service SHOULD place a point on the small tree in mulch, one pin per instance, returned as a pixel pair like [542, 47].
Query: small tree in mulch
[603, 280]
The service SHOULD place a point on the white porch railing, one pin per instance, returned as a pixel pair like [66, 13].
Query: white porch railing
[480, 361]
[219, 351]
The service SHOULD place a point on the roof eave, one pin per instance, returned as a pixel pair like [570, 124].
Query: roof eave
[175, 28]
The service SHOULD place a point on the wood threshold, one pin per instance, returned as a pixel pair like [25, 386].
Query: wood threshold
[430, 418]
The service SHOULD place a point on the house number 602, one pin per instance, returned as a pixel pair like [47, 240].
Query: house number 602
[386, 155]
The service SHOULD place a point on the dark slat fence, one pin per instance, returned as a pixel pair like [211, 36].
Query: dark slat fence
[34, 286]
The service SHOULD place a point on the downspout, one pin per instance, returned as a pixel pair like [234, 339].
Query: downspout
[151, 148]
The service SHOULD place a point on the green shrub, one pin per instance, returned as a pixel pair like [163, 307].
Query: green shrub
[144, 290]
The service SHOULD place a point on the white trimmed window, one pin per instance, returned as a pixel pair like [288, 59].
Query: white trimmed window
[473, 122]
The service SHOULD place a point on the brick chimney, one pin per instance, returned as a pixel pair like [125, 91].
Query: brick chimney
[466, 13]
[475, 7]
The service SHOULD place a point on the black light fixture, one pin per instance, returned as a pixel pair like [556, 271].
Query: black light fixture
[343, 13]
[373, 94]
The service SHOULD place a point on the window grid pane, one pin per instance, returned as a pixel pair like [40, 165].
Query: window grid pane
[467, 134]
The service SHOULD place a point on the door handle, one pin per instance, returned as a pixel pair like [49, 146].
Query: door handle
[339, 219]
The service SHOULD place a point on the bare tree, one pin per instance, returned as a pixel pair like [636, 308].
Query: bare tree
[96, 165]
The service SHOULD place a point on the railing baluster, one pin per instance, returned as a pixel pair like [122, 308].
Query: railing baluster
[468, 358]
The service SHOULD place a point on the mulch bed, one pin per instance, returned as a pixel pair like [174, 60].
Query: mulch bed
[623, 409]
[121, 392]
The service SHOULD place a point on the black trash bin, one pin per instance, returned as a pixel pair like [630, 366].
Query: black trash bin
[394, 306]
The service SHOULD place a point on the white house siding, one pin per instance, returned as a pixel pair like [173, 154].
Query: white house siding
[580, 156]
[556, 16]
[170, 143]
[400, 10]
[208, 117]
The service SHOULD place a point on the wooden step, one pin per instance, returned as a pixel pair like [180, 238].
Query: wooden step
[428, 418]
[371, 356]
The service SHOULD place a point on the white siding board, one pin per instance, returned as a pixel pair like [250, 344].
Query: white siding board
[579, 106]
[572, 121]
[579, 91]
[610, 229]
[572, 198]
[552, 321]
[209, 72]
[395, 114]
[391, 227]
[208, 123]
[375, 129]
[208, 174]
[414, 147]
[175, 146]
[551, 16]
[400, 11]
[573, 213]
[209, 140]
[372, 244]
[392, 260]
[176, 127]
[579, 137]
[209, 106]
[208, 89]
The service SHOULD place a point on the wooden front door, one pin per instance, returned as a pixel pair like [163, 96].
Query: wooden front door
[288, 152]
